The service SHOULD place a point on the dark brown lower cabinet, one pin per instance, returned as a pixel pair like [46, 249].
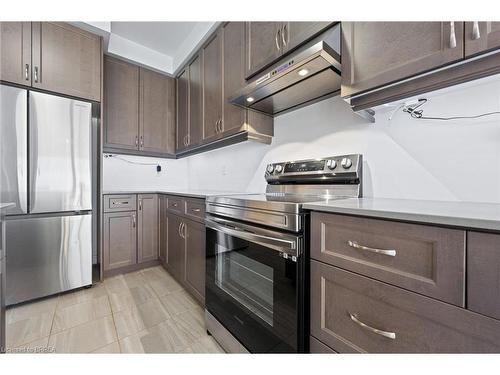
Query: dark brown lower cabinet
[120, 240]
[176, 253]
[195, 259]
[163, 248]
[353, 313]
[147, 233]
[483, 273]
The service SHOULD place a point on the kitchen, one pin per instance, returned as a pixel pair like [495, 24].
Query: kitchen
[250, 187]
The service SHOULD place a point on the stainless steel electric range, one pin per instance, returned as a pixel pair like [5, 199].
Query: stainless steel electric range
[257, 254]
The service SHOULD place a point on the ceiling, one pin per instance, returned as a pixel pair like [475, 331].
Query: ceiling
[163, 37]
[163, 46]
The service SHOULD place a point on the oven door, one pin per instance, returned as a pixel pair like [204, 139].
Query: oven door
[254, 280]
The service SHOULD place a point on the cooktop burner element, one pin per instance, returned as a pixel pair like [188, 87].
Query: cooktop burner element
[290, 185]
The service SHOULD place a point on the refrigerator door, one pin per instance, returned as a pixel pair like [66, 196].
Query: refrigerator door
[14, 148]
[47, 255]
[60, 154]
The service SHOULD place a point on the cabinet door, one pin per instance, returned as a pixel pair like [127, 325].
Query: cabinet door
[120, 241]
[66, 60]
[163, 255]
[195, 103]
[147, 206]
[481, 37]
[15, 52]
[176, 248]
[379, 53]
[156, 112]
[182, 110]
[233, 78]
[263, 45]
[212, 87]
[296, 33]
[195, 259]
[483, 273]
[121, 104]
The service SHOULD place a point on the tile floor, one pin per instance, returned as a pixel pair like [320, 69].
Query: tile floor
[141, 312]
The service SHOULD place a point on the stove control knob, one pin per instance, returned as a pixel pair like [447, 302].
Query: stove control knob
[270, 168]
[279, 168]
[346, 163]
[331, 164]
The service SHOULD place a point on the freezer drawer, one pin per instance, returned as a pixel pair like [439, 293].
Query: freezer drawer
[13, 148]
[47, 255]
[60, 140]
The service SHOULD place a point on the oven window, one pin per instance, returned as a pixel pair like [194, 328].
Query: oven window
[247, 281]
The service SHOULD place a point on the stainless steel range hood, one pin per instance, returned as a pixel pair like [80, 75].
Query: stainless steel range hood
[310, 74]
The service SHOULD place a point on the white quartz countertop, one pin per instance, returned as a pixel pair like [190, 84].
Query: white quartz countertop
[460, 214]
[186, 193]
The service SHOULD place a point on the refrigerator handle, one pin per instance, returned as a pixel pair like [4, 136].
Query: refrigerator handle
[33, 154]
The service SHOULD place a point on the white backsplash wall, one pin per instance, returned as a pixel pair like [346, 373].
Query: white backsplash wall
[403, 158]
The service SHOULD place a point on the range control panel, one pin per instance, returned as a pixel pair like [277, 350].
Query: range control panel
[343, 165]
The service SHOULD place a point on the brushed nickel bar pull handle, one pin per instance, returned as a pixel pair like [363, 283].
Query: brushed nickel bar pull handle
[475, 31]
[195, 209]
[142, 141]
[133, 221]
[184, 235]
[188, 139]
[283, 35]
[179, 230]
[276, 39]
[136, 141]
[27, 72]
[389, 335]
[140, 204]
[354, 244]
[453, 37]
[221, 125]
[36, 73]
[119, 203]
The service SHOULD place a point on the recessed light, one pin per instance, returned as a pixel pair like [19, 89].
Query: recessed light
[303, 72]
[250, 99]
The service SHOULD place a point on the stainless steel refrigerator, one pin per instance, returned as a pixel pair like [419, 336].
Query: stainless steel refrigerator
[47, 143]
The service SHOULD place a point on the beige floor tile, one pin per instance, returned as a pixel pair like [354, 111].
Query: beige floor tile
[39, 346]
[190, 322]
[165, 286]
[142, 293]
[30, 310]
[206, 344]
[80, 313]
[140, 317]
[155, 274]
[113, 348]
[166, 337]
[134, 279]
[178, 302]
[27, 330]
[116, 285]
[80, 296]
[85, 338]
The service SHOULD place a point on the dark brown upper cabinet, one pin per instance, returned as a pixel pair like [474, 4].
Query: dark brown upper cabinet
[52, 56]
[139, 110]
[182, 110]
[195, 134]
[263, 44]
[378, 53]
[212, 87]
[121, 104]
[66, 60]
[266, 42]
[481, 37]
[156, 112]
[15, 52]
[147, 233]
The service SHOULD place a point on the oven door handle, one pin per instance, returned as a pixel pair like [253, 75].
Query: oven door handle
[288, 247]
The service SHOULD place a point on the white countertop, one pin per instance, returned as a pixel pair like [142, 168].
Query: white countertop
[194, 193]
[460, 214]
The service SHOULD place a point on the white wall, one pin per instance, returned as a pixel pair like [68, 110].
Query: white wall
[404, 157]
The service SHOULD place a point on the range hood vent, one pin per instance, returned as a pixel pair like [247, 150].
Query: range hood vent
[306, 76]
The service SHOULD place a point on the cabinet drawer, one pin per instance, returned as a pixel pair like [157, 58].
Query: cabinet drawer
[195, 208]
[120, 202]
[353, 313]
[483, 275]
[176, 204]
[317, 347]
[425, 259]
